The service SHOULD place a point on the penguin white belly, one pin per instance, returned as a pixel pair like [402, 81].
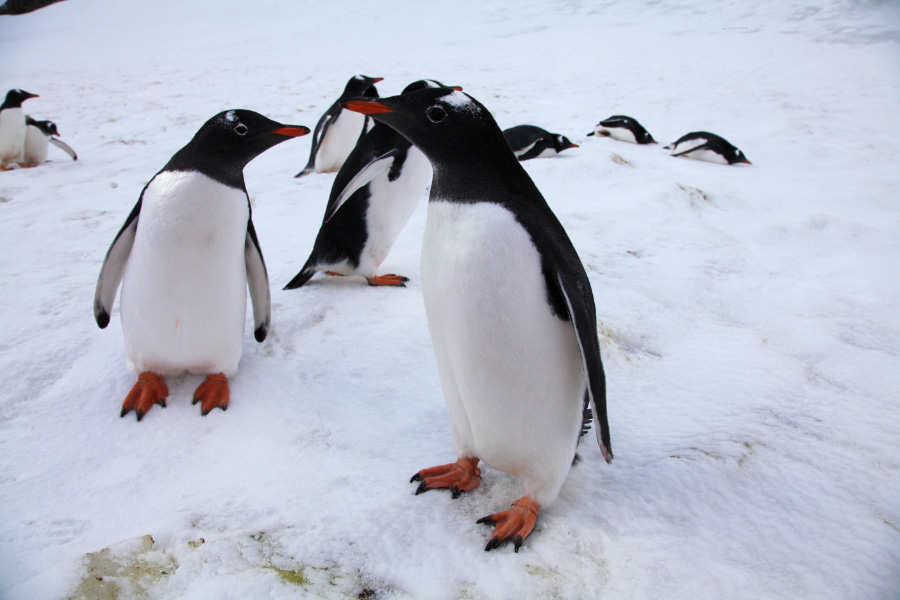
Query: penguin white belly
[524, 150]
[184, 292]
[620, 133]
[391, 204]
[510, 370]
[339, 139]
[547, 153]
[36, 145]
[12, 136]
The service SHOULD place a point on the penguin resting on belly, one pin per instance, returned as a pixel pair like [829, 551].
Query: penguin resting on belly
[509, 306]
[185, 257]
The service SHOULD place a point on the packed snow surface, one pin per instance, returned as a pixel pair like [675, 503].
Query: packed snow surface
[748, 314]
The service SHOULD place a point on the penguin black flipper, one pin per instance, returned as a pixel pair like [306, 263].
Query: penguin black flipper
[535, 151]
[583, 315]
[373, 169]
[113, 268]
[318, 136]
[64, 147]
[705, 146]
[258, 282]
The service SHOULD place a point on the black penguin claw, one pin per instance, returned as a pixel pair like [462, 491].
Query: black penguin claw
[423, 487]
[493, 543]
[415, 477]
[488, 520]
[455, 492]
[518, 543]
[195, 401]
[140, 414]
[124, 412]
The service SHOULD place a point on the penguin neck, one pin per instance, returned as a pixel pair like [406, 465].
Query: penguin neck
[215, 167]
[479, 178]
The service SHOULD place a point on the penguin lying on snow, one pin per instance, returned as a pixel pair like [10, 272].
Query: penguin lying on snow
[185, 257]
[710, 147]
[373, 196]
[509, 307]
[625, 129]
[528, 141]
[38, 137]
[12, 128]
[338, 130]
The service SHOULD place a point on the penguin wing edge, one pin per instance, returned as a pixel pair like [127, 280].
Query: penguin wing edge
[369, 172]
[65, 147]
[585, 324]
[114, 268]
[258, 282]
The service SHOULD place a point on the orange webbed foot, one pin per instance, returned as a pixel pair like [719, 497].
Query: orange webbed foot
[513, 524]
[334, 273]
[461, 476]
[149, 389]
[212, 393]
[388, 279]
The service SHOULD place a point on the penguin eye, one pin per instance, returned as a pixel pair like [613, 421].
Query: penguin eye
[435, 114]
[241, 129]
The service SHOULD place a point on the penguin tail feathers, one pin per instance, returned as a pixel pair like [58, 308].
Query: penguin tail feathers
[303, 173]
[300, 278]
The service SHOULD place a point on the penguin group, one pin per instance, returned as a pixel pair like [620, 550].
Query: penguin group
[498, 270]
[24, 141]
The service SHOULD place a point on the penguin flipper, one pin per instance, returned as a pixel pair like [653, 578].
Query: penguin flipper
[318, 136]
[113, 268]
[65, 147]
[534, 151]
[583, 317]
[258, 282]
[705, 146]
[373, 169]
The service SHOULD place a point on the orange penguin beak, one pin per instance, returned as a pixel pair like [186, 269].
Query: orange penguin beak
[292, 131]
[366, 107]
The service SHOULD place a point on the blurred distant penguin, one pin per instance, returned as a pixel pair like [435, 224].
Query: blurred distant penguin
[373, 197]
[625, 129]
[710, 147]
[38, 136]
[528, 141]
[338, 130]
[185, 257]
[509, 306]
[12, 128]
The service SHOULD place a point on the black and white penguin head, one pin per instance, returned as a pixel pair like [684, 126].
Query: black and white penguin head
[424, 84]
[563, 143]
[15, 98]
[242, 135]
[48, 128]
[441, 122]
[362, 85]
[737, 157]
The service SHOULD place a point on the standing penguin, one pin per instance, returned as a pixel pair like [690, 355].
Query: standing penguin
[38, 137]
[373, 197]
[509, 307]
[625, 129]
[12, 128]
[710, 147]
[185, 257]
[338, 130]
[528, 141]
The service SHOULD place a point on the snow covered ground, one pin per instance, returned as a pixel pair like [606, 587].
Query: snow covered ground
[749, 314]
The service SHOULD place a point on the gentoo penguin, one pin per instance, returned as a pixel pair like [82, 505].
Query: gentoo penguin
[710, 147]
[373, 196]
[625, 129]
[338, 130]
[528, 141]
[185, 257]
[509, 306]
[12, 128]
[38, 136]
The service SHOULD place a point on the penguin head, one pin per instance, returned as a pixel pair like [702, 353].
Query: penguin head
[241, 135]
[563, 143]
[646, 138]
[48, 128]
[423, 84]
[362, 85]
[737, 157]
[14, 98]
[443, 123]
